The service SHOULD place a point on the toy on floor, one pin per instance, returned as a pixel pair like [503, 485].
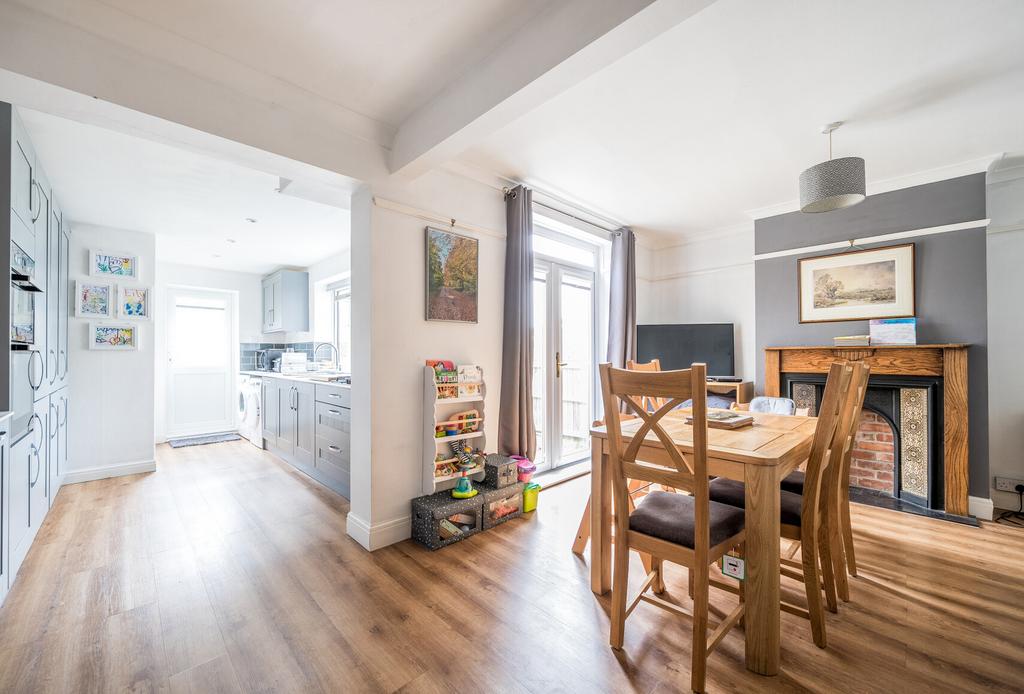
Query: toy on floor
[464, 488]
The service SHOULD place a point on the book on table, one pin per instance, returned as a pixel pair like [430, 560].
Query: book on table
[726, 419]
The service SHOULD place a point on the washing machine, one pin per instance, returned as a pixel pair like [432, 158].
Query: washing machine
[250, 423]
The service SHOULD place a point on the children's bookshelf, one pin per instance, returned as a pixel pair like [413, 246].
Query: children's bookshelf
[458, 408]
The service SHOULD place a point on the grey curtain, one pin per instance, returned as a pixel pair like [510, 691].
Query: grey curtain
[622, 302]
[516, 432]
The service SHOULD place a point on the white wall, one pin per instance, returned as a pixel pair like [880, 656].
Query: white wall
[706, 281]
[1005, 205]
[111, 428]
[392, 339]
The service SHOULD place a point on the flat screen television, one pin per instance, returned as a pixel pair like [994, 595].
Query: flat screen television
[678, 346]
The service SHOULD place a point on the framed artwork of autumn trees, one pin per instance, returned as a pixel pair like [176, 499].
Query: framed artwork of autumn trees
[453, 273]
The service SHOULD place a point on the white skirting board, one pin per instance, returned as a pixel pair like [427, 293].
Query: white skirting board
[380, 535]
[980, 508]
[100, 473]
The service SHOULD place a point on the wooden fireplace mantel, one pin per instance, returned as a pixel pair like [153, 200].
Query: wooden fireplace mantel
[948, 361]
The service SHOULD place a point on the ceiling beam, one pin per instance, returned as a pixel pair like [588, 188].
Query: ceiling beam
[95, 50]
[562, 45]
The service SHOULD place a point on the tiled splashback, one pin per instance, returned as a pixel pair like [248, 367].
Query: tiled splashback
[247, 355]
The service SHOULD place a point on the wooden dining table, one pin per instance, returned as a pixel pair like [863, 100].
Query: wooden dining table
[760, 455]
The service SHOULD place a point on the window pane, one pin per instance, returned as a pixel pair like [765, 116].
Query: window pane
[559, 250]
[200, 336]
[343, 331]
[578, 370]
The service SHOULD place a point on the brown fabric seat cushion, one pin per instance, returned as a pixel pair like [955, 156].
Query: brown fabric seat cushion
[670, 517]
[731, 492]
[794, 482]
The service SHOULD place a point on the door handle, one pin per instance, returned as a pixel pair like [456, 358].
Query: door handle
[31, 370]
[559, 364]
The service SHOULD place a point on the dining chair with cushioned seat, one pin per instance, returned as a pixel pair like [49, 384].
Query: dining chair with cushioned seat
[802, 515]
[692, 531]
[837, 484]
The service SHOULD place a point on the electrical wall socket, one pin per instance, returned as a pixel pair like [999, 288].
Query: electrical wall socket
[1007, 484]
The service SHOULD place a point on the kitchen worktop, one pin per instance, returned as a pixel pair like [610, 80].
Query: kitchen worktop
[309, 377]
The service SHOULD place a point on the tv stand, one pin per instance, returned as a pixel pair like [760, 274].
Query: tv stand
[743, 391]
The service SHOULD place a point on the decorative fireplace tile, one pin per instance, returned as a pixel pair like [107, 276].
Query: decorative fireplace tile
[914, 441]
[806, 395]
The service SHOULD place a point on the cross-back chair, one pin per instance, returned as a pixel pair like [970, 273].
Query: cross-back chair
[692, 531]
[649, 404]
[802, 518]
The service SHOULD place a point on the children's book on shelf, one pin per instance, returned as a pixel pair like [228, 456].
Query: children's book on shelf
[444, 371]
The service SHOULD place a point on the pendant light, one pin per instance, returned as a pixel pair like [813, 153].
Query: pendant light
[832, 184]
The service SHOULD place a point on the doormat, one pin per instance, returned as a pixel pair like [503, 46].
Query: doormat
[200, 440]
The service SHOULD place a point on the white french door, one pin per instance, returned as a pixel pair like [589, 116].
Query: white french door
[200, 362]
[564, 366]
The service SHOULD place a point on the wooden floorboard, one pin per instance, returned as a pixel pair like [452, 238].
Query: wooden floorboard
[227, 571]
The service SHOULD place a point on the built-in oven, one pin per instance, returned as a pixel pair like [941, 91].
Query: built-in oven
[26, 361]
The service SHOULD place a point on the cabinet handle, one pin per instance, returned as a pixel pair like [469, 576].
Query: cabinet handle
[34, 453]
[51, 353]
[334, 448]
[334, 395]
[65, 422]
[64, 355]
[35, 185]
[31, 370]
[55, 420]
[335, 411]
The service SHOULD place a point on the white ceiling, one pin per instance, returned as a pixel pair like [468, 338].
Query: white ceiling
[193, 203]
[382, 59]
[719, 115]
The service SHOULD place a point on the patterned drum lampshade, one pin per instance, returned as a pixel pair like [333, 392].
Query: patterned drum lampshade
[832, 184]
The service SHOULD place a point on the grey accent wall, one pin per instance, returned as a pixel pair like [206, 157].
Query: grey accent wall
[951, 282]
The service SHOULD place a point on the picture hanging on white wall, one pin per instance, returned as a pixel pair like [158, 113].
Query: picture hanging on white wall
[108, 264]
[94, 299]
[113, 336]
[134, 302]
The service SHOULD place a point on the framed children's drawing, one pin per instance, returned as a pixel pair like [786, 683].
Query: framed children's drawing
[118, 337]
[109, 264]
[94, 299]
[134, 302]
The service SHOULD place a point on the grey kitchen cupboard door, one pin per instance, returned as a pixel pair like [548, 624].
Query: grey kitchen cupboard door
[24, 203]
[27, 492]
[52, 297]
[271, 420]
[5, 486]
[39, 497]
[305, 423]
[63, 304]
[53, 452]
[41, 381]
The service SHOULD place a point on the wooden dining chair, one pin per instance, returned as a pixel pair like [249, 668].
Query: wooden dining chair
[637, 488]
[692, 531]
[836, 487]
[654, 365]
[802, 515]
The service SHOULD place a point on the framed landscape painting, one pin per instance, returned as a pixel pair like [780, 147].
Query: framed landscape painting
[113, 336]
[107, 264]
[94, 299]
[453, 270]
[858, 285]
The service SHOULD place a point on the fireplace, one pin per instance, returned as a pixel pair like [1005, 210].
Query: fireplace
[898, 449]
[919, 390]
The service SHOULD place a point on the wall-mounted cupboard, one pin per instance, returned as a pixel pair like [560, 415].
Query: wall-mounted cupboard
[286, 302]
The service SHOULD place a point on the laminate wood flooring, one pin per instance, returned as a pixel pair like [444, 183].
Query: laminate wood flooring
[227, 571]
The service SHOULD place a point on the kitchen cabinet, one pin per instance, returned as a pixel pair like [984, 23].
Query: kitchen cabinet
[52, 297]
[286, 301]
[57, 443]
[63, 304]
[27, 497]
[271, 420]
[24, 201]
[5, 483]
[41, 366]
[308, 426]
